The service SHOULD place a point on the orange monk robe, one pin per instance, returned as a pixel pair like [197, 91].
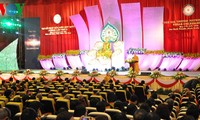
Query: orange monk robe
[136, 64]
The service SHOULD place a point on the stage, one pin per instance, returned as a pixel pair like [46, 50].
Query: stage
[166, 81]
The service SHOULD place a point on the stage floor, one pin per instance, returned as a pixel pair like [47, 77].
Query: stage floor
[142, 73]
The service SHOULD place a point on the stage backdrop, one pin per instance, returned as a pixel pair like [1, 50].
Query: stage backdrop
[181, 31]
[32, 42]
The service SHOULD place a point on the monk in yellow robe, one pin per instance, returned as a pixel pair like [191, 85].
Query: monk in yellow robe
[136, 64]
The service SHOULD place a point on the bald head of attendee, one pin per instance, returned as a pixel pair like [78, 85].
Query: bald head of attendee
[3, 114]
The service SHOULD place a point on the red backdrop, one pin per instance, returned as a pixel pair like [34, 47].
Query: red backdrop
[186, 41]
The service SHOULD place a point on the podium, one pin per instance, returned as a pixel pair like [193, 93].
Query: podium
[132, 64]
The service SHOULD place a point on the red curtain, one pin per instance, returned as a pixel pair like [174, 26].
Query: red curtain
[186, 41]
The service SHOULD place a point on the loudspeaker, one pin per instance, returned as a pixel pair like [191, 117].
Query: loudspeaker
[145, 73]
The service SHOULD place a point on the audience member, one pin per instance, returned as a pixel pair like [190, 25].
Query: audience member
[101, 106]
[79, 111]
[64, 116]
[4, 113]
[139, 114]
[163, 111]
[193, 111]
[29, 113]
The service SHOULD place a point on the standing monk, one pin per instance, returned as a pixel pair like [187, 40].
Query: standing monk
[136, 64]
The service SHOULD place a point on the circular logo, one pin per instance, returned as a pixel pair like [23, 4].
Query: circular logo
[188, 10]
[57, 18]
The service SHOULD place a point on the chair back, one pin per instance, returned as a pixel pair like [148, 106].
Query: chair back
[62, 103]
[104, 95]
[49, 105]
[121, 95]
[49, 117]
[112, 112]
[95, 114]
[139, 91]
[91, 109]
[14, 107]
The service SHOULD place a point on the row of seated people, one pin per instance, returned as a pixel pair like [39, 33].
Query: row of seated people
[130, 106]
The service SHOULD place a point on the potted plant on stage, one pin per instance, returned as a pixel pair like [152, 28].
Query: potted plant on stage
[94, 74]
[58, 74]
[43, 73]
[131, 74]
[13, 73]
[112, 73]
[198, 76]
[155, 75]
[75, 74]
[179, 76]
[27, 72]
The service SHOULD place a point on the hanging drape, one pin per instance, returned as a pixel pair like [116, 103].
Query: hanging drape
[186, 41]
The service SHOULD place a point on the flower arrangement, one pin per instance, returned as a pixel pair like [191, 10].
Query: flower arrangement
[76, 73]
[179, 76]
[59, 73]
[94, 73]
[28, 71]
[155, 74]
[13, 72]
[198, 76]
[43, 73]
[112, 73]
[129, 61]
[131, 73]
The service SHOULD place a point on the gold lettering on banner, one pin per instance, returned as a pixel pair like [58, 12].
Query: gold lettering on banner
[57, 30]
[191, 24]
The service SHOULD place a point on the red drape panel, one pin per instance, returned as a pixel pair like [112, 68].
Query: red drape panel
[181, 41]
